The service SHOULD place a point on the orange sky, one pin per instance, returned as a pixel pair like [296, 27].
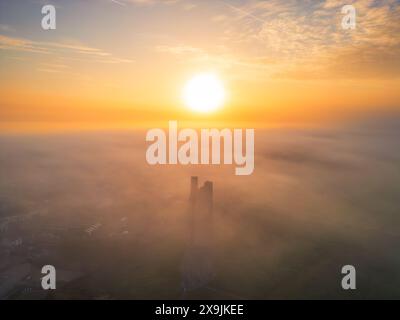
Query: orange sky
[110, 65]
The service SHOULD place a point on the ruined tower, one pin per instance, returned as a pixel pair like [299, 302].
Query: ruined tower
[198, 259]
[194, 182]
[201, 212]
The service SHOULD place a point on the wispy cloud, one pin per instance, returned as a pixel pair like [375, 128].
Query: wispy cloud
[59, 48]
[20, 44]
[243, 12]
[307, 39]
[118, 2]
[219, 58]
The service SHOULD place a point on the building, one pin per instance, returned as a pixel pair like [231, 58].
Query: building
[198, 265]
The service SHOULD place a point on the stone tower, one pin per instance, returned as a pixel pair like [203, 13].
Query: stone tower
[201, 212]
[197, 269]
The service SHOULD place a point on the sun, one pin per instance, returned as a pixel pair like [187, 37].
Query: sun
[204, 93]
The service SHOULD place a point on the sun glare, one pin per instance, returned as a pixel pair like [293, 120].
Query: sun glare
[204, 93]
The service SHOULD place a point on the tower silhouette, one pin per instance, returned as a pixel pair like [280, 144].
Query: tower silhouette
[197, 268]
[200, 213]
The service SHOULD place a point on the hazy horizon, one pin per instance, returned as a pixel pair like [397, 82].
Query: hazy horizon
[283, 232]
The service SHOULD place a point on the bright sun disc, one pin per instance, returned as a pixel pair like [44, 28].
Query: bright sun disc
[204, 93]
